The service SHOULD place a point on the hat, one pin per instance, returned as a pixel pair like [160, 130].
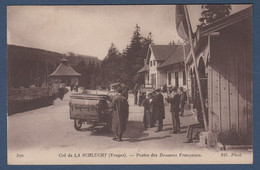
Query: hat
[158, 90]
[119, 90]
[174, 88]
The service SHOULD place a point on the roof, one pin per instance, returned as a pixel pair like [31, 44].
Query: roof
[226, 21]
[176, 57]
[145, 68]
[219, 25]
[65, 70]
[161, 52]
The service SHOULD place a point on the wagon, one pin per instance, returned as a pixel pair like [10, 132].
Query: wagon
[90, 109]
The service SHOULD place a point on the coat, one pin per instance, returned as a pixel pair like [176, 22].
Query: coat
[158, 107]
[148, 120]
[175, 102]
[183, 98]
[119, 114]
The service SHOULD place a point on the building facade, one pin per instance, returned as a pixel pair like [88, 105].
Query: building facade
[164, 65]
[223, 52]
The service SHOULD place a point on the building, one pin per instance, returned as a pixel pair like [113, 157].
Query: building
[172, 70]
[64, 74]
[223, 52]
[164, 65]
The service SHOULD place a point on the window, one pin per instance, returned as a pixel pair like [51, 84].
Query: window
[184, 77]
[169, 79]
[154, 62]
[151, 63]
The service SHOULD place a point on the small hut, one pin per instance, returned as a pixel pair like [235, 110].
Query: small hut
[64, 74]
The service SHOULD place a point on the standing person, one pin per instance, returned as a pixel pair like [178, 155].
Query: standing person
[119, 115]
[183, 100]
[125, 91]
[71, 86]
[135, 92]
[174, 99]
[148, 111]
[140, 97]
[158, 110]
[61, 92]
[77, 86]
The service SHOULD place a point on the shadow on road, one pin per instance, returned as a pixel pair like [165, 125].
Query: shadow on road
[134, 129]
[145, 139]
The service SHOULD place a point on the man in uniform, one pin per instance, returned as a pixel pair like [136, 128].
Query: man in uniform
[119, 115]
[158, 110]
[174, 99]
[183, 100]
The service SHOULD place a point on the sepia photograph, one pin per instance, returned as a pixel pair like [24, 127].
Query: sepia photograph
[129, 84]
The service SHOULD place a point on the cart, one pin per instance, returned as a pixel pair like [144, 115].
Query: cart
[90, 109]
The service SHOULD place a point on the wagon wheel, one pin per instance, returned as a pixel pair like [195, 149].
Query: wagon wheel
[77, 124]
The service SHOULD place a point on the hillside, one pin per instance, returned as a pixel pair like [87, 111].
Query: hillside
[27, 66]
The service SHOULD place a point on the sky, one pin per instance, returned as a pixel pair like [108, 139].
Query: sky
[90, 30]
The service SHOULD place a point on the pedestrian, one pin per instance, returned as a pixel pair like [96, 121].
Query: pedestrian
[174, 100]
[164, 88]
[77, 87]
[148, 111]
[135, 92]
[125, 91]
[120, 114]
[183, 100]
[158, 110]
[61, 92]
[200, 119]
[71, 86]
[140, 97]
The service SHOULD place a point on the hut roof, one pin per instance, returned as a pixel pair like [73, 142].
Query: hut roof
[65, 70]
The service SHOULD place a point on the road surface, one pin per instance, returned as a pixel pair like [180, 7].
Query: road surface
[47, 135]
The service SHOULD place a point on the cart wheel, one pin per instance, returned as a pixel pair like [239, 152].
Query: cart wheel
[77, 124]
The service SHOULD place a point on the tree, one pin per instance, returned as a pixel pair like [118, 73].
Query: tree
[111, 66]
[211, 13]
[117, 67]
[135, 54]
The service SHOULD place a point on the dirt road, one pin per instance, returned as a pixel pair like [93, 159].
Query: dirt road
[47, 135]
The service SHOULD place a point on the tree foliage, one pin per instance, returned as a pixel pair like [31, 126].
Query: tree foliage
[211, 13]
[111, 66]
[117, 67]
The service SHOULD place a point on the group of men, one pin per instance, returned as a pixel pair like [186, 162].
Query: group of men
[154, 111]
[154, 108]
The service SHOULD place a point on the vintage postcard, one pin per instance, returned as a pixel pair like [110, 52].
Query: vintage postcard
[129, 84]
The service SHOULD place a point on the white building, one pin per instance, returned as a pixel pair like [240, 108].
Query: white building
[164, 64]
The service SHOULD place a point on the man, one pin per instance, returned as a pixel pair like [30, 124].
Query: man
[174, 99]
[119, 115]
[158, 110]
[61, 92]
[135, 92]
[125, 91]
[200, 124]
[183, 100]
[148, 111]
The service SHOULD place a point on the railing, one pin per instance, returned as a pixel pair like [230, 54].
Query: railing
[30, 93]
